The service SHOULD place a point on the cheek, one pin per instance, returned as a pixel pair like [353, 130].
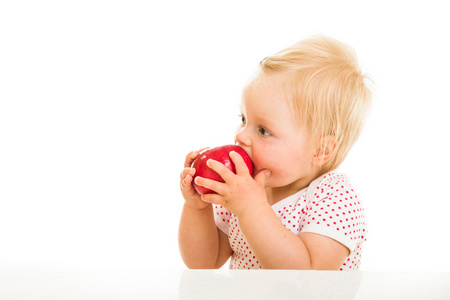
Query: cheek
[281, 159]
[282, 162]
[260, 157]
[267, 157]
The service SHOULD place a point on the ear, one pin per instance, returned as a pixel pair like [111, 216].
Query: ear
[326, 149]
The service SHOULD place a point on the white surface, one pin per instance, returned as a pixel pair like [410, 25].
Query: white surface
[39, 284]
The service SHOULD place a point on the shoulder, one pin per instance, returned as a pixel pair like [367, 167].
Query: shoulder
[332, 185]
[333, 195]
[334, 209]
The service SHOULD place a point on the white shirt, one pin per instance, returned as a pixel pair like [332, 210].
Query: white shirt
[328, 206]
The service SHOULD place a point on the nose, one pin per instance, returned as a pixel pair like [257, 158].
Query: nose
[242, 138]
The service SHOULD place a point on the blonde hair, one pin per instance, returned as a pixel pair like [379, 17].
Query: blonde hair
[328, 91]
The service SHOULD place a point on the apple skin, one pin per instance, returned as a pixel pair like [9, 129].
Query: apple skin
[220, 154]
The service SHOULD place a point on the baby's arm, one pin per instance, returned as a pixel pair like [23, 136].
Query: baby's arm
[202, 245]
[277, 247]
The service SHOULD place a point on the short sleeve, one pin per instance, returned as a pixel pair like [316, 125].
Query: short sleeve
[334, 210]
[222, 218]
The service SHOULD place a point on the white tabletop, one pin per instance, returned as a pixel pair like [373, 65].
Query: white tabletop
[37, 283]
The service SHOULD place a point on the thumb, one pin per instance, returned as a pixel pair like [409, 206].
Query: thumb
[262, 176]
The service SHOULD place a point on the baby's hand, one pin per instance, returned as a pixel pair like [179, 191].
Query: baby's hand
[191, 197]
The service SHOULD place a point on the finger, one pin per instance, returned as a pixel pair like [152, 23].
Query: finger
[192, 156]
[220, 169]
[212, 198]
[262, 176]
[213, 185]
[187, 171]
[239, 163]
[186, 182]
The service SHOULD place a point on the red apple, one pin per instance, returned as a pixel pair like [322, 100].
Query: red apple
[220, 154]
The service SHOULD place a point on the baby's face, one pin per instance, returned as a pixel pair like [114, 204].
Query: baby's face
[271, 137]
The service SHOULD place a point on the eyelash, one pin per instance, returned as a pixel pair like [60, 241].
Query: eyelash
[261, 130]
[242, 119]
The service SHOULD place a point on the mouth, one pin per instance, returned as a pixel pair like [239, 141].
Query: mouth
[249, 153]
[246, 150]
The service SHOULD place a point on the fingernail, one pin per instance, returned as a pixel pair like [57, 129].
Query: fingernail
[267, 172]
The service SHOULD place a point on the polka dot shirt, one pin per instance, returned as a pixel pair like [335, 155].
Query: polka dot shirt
[328, 206]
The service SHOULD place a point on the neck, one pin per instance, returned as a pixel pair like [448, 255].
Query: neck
[276, 194]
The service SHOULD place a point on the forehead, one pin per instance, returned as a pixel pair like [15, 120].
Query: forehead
[266, 91]
[267, 97]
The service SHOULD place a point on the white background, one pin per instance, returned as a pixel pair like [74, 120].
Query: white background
[101, 100]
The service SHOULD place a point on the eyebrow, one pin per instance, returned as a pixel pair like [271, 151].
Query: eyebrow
[241, 107]
[263, 121]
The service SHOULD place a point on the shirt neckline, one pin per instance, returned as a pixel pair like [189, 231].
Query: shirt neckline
[289, 199]
[294, 197]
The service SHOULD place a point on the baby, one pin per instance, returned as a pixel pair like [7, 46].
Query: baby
[300, 115]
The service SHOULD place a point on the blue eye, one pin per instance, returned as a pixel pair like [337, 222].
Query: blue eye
[242, 119]
[264, 132]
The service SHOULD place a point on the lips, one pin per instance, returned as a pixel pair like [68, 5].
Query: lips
[250, 154]
[246, 150]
